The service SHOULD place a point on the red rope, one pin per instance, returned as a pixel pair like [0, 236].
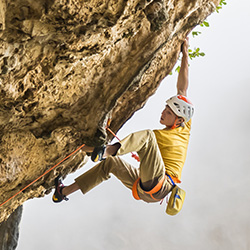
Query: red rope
[42, 175]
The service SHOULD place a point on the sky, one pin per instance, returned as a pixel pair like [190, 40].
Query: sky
[215, 177]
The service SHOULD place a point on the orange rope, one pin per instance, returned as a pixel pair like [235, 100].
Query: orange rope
[42, 175]
[133, 155]
[113, 133]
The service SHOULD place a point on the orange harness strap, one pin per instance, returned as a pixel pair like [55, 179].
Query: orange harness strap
[175, 179]
[134, 189]
[150, 192]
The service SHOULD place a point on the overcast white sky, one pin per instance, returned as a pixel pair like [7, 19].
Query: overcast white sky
[216, 175]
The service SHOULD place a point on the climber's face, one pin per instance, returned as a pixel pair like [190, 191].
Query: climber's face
[167, 117]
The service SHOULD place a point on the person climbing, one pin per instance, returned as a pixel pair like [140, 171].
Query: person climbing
[162, 152]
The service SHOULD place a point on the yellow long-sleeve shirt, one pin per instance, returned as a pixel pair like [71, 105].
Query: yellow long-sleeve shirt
[173, 144]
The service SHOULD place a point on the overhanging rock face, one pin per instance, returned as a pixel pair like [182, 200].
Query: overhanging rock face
[66, 66]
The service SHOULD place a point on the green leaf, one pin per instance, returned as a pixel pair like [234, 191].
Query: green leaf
[178, 69]
[206, 24]
[195, 33]
[223, 2]
[219, 7]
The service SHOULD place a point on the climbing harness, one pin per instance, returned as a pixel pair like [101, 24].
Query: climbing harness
[174, 203]
[154, 190]
[42, 175]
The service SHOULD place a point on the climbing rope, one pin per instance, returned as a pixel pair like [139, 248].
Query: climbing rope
[42, 175]
[133, 155]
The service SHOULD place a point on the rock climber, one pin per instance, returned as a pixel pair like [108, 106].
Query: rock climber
[162, 152]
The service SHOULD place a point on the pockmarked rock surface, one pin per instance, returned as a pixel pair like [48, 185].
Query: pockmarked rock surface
[66, 67]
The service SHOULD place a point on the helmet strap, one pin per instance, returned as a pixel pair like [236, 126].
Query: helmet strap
[175, 125]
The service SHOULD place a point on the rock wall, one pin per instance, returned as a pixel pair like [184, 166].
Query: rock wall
[9, 230]
[67, 66]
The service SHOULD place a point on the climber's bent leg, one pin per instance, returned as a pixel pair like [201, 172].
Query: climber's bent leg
[133, 142]
[152, 167]
[123, 171]
[101, 172]
[137, 142]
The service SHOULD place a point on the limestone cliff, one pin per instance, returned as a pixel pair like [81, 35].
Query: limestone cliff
[68, 65]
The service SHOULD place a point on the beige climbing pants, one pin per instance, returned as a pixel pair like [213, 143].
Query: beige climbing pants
[150, 171]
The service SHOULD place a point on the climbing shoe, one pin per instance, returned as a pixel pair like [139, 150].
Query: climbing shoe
[58, 196]
[97, 154]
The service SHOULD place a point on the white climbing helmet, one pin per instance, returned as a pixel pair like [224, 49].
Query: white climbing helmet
[181, 106]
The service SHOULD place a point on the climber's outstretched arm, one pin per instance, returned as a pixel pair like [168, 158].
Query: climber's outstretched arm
[182, 82]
